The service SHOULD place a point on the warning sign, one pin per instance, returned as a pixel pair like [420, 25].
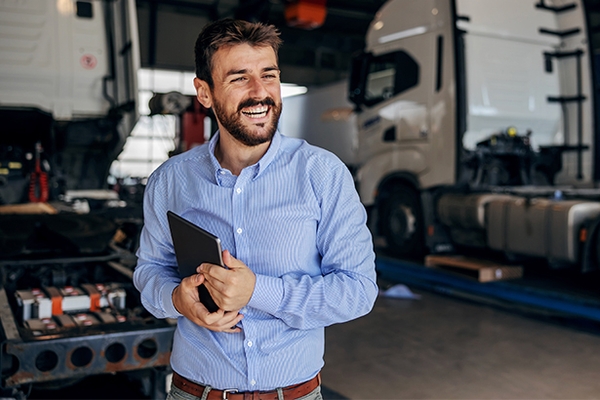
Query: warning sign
[88, 61]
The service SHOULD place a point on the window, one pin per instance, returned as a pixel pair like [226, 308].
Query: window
[154, 137]
[388, 75]
[84, 9]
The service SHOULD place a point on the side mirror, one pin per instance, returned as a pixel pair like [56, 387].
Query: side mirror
[358, 74]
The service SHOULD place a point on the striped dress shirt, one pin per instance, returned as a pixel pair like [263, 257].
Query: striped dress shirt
[295, 219]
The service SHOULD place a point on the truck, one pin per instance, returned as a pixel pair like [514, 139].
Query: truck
[471, 126]
[68, 308]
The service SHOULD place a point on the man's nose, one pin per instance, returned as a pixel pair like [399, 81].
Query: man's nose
[258, 89]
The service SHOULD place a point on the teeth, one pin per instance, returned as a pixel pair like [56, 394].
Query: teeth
[257, 112]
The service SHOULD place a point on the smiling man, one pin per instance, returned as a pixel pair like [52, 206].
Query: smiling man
[245, 93]
[298, 254]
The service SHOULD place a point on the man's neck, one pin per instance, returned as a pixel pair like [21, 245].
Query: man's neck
[236, 156]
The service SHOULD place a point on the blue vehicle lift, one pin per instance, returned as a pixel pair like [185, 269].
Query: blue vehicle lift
[549, 301]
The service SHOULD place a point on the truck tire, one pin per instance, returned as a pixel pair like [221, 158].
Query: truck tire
[401, 221]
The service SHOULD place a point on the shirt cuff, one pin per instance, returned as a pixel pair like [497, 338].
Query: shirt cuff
[167, 300]
[268, 294]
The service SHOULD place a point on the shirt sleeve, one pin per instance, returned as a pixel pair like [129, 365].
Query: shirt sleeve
[156, 274]
[347, 287]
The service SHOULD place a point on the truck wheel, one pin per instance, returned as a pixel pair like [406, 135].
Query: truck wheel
[402, 222]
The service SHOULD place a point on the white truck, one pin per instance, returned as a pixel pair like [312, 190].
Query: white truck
[475, 126]
[68, 308]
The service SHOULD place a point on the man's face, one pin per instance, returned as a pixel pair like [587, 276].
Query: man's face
[246, 97]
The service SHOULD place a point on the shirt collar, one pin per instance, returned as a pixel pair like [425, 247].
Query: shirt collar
[259, 167]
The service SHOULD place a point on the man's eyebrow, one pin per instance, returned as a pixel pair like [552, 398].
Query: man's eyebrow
[236, 72]
[244, 71]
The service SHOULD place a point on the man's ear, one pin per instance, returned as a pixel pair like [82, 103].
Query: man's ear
[203, 92]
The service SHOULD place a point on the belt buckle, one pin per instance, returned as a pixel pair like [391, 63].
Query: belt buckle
[226, 393]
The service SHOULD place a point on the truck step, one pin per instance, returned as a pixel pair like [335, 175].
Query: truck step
[480, 269]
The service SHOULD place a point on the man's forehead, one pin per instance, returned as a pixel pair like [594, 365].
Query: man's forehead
[241, 54]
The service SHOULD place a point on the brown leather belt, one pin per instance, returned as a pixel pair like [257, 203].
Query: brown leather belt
[289, 392]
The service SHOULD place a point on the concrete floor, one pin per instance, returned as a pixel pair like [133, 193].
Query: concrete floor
[442, 347]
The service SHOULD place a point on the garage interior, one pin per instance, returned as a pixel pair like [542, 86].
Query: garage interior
[459, 323]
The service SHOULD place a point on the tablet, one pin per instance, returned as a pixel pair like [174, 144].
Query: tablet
[194, 246]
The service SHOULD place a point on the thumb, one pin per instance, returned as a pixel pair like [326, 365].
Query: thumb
[230, 261]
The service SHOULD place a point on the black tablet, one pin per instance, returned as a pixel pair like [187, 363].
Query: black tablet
[194, 246]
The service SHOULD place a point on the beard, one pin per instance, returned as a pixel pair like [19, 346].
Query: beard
[249, 135]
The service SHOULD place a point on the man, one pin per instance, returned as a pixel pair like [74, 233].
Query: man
[299, 256]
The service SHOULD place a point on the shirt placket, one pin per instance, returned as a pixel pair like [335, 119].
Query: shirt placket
[238, 205]
[238, 201]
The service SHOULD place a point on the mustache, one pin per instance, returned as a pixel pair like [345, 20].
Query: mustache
[267, 101]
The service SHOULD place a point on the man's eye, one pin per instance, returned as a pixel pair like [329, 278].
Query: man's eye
[240, 79]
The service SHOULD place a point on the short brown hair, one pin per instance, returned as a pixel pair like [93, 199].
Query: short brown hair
[230, 32]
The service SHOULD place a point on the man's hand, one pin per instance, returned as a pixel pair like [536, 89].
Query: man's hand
[230, 288]
[187, 302]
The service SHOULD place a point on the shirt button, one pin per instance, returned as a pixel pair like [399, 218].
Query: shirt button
[238, 190]
[239, 230]
[253, 382]
[222, 172]
[249, 343]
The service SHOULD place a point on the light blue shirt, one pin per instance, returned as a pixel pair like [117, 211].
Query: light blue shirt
[295, 219]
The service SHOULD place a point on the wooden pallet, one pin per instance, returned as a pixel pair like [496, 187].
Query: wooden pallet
[482, 270]
[28, 208]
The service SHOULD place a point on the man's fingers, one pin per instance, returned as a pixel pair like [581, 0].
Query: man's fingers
[222, 321]
[186, 300]
[230, 321]
[213, 273]
[188, 290]
[192, 280]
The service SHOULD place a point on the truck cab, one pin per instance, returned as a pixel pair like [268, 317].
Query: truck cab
[468, 93]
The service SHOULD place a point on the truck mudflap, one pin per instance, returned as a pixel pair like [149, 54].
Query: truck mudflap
[539, 227]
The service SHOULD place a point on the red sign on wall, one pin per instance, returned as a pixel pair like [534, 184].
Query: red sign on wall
[88, 61]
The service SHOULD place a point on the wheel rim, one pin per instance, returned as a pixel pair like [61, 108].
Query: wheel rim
[403, 223]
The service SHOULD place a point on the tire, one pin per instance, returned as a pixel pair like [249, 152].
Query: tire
[401, 221]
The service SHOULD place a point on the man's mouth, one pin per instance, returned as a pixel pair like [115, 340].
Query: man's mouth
[256, 112]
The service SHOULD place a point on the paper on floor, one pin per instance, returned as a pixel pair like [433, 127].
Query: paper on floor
[399, 291]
